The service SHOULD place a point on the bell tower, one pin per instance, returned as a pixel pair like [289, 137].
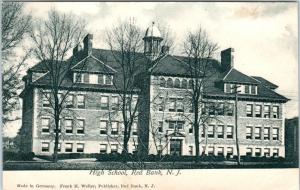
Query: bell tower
[152, 41]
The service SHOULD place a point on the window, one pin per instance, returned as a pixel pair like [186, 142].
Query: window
[203, 132]
[81, 101]
[172, 104]
[257, 134]
[220, 151]
[220, 131]
[45, 125]
[275, 112]
[160, 104]
[220, 109]
[114, 128]
[210, 131]
[191, 129]
[249, 110]
[108, 79]
[93, 78]
[191, 84]
[103, 148]
[169, 83]
[104, 102]
[179, 105]
[115, 103]
[160, 126]
[275, 134]
[253, 89]
[191, 150]
[176, 125]
[70, 101]
[229, 151]
[78, 78]
[229, 132]
[257, 151]
[248, 132]
[100, 79]
[210, 150]
[69, 126]
[267, 152]
[68, 147]
[162, 82]
[46, 99]
[228, 88]
[184, 83]
[177, 83]
[58, 147]
[85, 78]
[257, 110]
[45, 147]
[80, 127]
[266, 111]
[211, 108]
[275, 152]
[134, 128]
[247, 89]
[172, 124]
[180, 125]
[80, 147]
[114, 148]
[248, 151]
[229, 109]
[103, 127]
[266, 133]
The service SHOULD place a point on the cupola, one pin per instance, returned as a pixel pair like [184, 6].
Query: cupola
[152, 41]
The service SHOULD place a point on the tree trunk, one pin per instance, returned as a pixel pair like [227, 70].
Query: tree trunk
[196, 134]
[56, 132]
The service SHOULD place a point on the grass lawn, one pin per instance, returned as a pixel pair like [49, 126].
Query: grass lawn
[86, 164]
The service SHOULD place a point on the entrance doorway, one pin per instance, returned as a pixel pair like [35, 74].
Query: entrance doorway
[175, 147]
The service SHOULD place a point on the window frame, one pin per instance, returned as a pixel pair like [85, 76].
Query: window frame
[47, 148]
[81, 150]
[45, 126]
[81, 104]
[79, 127]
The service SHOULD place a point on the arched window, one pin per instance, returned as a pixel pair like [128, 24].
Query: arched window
[184, 83]
[170, 83]
[162, 82]
[177, 83]
[191, 84]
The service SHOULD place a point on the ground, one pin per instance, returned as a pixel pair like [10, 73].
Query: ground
[92, 164]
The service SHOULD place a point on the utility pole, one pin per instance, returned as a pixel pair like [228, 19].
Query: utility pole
[235, 88]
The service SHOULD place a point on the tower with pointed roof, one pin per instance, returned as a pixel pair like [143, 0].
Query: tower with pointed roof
[152, 40]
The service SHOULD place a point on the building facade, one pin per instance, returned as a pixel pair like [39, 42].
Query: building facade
[93, 124]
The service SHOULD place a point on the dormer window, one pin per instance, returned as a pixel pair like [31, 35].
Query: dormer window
[90, 78]
[242, 88]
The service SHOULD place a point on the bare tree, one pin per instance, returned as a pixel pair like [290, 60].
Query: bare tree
[199, 49]
[52, 39]
[125, 43]
[15, 25]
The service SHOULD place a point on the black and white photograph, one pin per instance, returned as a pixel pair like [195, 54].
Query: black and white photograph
[149, 88]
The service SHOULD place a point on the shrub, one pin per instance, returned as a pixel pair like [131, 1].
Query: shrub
[18, 156]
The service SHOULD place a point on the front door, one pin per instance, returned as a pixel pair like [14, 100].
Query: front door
[175, 147]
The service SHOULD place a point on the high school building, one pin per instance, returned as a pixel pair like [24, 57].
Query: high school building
[164, 120]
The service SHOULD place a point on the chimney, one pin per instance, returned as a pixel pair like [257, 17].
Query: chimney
[88, 44]
[77, 48]
[227, 59]
[165, 49]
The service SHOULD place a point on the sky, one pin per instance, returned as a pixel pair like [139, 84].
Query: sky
[263, 35]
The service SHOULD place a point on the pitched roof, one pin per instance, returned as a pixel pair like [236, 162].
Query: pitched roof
[91, 63]
[265, 82]
[103, 60]
[236, 76]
